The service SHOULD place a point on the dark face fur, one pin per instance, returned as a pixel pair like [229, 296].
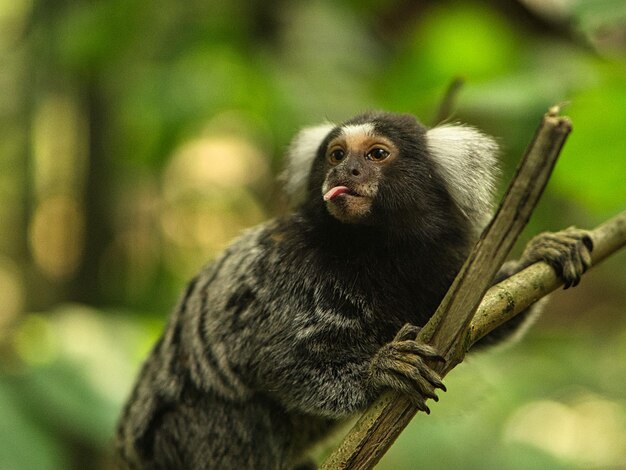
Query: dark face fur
[374, 168]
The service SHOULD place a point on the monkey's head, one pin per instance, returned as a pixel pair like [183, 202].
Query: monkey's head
[378, 168]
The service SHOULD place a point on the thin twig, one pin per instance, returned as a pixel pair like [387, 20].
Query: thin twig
[446, 106]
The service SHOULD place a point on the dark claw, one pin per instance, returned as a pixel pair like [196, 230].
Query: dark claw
[419, 403]
[423, 406]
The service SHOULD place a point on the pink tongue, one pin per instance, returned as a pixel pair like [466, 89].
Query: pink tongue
[334, 192]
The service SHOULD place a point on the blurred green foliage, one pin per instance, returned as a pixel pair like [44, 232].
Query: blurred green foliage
[137, 138]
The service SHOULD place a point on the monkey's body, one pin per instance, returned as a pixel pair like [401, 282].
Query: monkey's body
[292, 328]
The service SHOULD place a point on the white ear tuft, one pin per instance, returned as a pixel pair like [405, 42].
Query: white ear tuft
[300, 156]
[468, 161]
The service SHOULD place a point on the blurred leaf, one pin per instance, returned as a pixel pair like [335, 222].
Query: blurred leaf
[599, 13]
[66, 404]
[75, 391]
[25, 444]
[468, 41]
[91, 33]
[593, 168]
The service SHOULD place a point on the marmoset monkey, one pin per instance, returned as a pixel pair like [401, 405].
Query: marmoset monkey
[299, 323]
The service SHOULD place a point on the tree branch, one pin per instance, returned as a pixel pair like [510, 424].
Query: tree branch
[447, 103]
[447, 330]
[516, 293]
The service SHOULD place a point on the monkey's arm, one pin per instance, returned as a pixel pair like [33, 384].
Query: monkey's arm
[333, 380]
[322, 348]
[328, 385]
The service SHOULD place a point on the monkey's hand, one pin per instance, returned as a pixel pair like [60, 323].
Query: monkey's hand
[402, 365]
[567, 251]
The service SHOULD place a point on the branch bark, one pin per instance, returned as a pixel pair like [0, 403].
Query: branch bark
[448, 329]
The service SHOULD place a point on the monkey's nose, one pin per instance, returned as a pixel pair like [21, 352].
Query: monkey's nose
[355, 172]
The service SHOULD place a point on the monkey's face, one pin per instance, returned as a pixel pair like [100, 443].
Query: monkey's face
[388, 170]
[376, 169]
[355, 159]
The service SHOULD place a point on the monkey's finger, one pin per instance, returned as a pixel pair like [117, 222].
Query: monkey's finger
[422, 367]
[564, 239]
[577, 236]
[580, 261]
[421, 349]
[552, 253]
[580, 234]
[407, 332]
[431, 376]
[585, 255]
[568, 276]
[570, 281]
[401, 383]
[419, 402]
[417, 380]
[575, 266]
[417, 369]
[588, 241]
[424, 379]
[557, 255]
[584, 247]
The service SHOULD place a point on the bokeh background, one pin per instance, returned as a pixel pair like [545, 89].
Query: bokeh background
[138, 137]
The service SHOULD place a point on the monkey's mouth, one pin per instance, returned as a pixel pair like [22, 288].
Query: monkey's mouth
[348, 205]
[337, 191]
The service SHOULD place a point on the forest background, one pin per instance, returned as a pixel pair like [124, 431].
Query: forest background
[138, 138]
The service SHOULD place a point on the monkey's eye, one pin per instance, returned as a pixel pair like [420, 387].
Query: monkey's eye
[336, 156]
[377, 154]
